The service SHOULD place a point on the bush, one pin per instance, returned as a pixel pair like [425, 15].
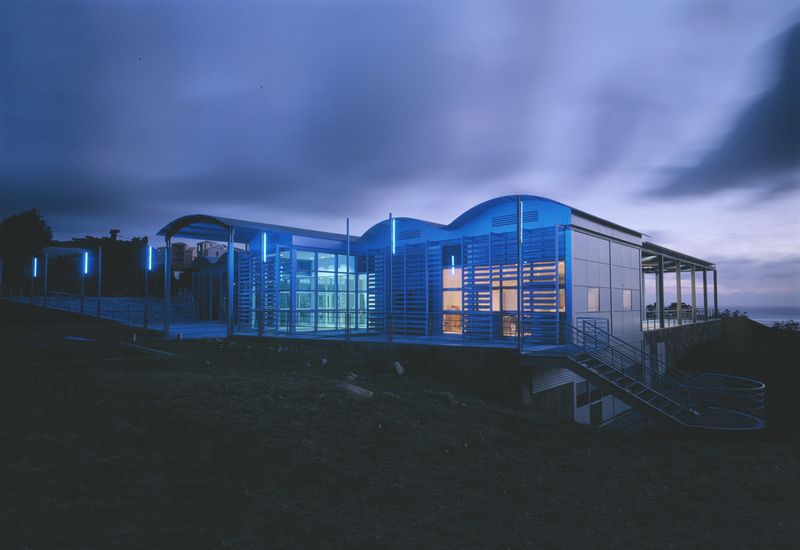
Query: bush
[737, 313]
[789, 326]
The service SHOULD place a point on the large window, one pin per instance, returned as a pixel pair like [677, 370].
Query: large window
[318, 300]
[593, 299]
[504, 296]
[451, 289]
[627, 299]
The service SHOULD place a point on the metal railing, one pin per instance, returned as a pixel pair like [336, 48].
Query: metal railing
[652, 322]
[706, 391]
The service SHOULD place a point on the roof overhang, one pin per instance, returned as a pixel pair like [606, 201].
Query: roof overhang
[672, 257]
[217, 228]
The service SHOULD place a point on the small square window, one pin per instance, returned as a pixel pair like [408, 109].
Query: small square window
[593, 301]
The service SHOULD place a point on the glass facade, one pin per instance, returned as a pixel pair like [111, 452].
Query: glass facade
[313, 291]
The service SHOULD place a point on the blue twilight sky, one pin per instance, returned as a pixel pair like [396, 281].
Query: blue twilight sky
[677, 118]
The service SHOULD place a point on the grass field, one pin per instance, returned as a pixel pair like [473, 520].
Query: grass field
[103, 445]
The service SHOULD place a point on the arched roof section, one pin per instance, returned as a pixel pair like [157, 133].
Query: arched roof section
[476, 211]
[382, 227]
[198, 226]
[215, 228]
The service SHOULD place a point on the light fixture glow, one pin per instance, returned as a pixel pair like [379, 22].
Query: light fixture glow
[452, 265]
[149, 258]
[394, 229]
[35, 267]
[264, 247]
[85, 262]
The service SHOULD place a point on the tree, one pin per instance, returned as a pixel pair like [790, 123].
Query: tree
[23, 235]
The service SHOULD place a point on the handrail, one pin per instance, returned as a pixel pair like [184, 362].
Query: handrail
[646, 358]
[665, 387]
[706, 390]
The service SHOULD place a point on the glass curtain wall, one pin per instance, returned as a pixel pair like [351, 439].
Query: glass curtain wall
[320, 291]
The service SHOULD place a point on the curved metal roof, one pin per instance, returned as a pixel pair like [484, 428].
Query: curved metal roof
[215, 228]
[474, 212]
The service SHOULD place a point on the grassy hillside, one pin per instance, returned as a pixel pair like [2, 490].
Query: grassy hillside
[104, 445]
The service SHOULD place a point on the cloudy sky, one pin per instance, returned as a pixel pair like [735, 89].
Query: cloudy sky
[679, 118]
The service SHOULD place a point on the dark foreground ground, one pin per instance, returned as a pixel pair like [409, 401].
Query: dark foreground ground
[102, 445]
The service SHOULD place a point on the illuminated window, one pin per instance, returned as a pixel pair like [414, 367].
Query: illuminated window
[451, 289]
[627, 299]
[593, 300]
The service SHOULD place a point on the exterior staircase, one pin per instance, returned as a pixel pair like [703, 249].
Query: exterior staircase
[632, 388]
[701, 401]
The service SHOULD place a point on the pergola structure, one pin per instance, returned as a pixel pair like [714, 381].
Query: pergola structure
[232, 231]
[658, 261]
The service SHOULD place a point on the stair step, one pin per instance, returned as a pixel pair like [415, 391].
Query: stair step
[672, 409]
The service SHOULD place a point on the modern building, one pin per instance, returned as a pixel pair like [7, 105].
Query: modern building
[575, 294]
[210, 250]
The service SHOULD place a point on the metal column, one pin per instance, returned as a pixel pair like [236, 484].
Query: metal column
[705, 294]
[678, 298]
[146, 288]
[83, 279]
[660, 291]
[99, 276]
[389, 307]
[45, 278]
[694, 295]
[519, 273]
[33, 276]
[260, 286]
[167, 282]
[716, 304]
[347, 288]
[231, 274]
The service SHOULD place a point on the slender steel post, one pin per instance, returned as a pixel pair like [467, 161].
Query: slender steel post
[694, 297]
[642, 305]
[45, 278]
[146, 291]
[705, 294]
[148, 266]
[519, 273]
[660, 291]
[167, 282]
[83, 279]
[389, 307]
[33, 276]
[261, 286]
[716, 304]
[678, 297]
[99, 276]
[230, 281]
[347, 287]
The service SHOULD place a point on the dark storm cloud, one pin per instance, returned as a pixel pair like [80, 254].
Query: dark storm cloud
[127, 106]
[762, 150]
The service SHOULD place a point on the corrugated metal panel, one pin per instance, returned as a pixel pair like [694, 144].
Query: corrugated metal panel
[545, 378]
[409, 234]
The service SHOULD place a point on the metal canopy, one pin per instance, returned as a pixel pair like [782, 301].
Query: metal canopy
[216, 228]
[671, 257]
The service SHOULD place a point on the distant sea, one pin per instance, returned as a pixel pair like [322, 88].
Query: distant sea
[767, 315]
